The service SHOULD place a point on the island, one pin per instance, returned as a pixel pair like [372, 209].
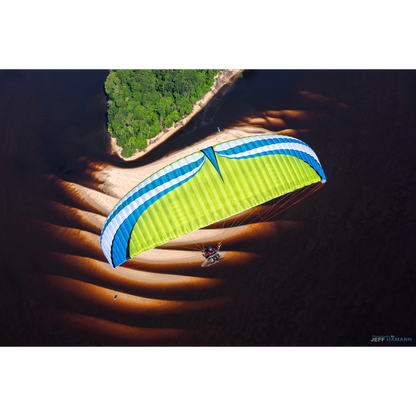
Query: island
[147, 106]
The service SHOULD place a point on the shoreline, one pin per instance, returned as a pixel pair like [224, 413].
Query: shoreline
[221, 79]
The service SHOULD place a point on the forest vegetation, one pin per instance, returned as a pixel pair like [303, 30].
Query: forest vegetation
[143, 102]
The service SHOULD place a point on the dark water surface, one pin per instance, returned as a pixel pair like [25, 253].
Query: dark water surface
[347, 276]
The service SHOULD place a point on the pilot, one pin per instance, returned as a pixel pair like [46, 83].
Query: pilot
[209, 251]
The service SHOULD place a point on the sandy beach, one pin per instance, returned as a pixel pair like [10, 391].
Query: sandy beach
[221, 79]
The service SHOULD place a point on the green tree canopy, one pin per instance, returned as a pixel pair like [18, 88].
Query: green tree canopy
[143, 102]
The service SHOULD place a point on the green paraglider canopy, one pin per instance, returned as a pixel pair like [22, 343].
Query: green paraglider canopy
[205, 187]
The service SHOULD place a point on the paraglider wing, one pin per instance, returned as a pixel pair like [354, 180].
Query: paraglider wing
[205, 187]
